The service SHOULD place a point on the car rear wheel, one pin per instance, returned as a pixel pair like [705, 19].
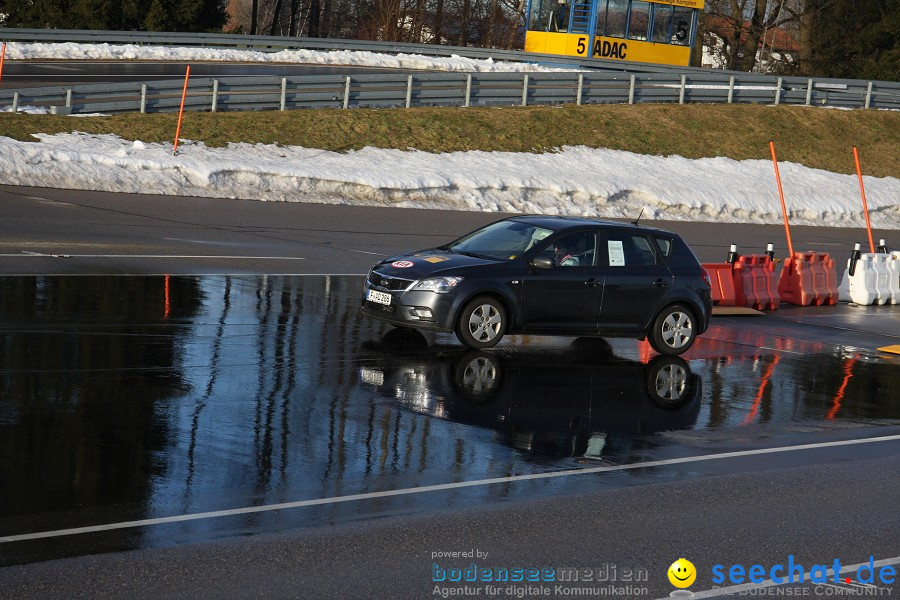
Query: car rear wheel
[481, 323]
[673, 331]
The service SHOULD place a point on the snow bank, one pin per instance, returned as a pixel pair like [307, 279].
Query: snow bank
[74, 51]
[573, 181]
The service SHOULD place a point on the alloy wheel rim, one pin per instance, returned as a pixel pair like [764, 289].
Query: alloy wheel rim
[677, 330]
[484, 323]
[480, 376]
[670, 382]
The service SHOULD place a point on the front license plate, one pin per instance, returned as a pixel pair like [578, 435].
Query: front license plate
[371, 376]
[379, 297]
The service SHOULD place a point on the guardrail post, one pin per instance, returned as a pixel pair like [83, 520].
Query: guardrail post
[69, 98]
[731, 89]
[468, 89]
[215, 96]
[347, 92]
[809, 88]
[408, 90]
[868, 95]
[283, 93]
[580, 89]
[525, 90]
[15, 106]
[778, 92]
[143, 98]
[631, 91]
[681, 92]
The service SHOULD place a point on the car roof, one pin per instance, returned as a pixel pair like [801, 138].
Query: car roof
[560, 223]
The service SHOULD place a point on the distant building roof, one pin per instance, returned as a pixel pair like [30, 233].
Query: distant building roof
[776, 38]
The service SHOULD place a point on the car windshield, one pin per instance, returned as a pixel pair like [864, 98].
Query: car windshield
[505, 240]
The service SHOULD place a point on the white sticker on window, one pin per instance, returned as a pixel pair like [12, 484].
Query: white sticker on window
[616, 253]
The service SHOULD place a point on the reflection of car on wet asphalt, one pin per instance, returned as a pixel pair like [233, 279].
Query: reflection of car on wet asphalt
[572, 401]
[548, 275]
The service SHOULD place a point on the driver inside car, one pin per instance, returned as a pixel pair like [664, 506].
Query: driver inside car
[563, 255]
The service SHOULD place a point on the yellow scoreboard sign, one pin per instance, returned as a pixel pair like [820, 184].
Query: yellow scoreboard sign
[578, 44]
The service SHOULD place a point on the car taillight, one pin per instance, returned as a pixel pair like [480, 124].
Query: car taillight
[706, 277]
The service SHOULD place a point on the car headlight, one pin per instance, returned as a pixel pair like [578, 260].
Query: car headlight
[440, 285]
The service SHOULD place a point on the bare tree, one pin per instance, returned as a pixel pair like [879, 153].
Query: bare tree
[438, 21]
[735, 28]
[276, 16]
[253, 12]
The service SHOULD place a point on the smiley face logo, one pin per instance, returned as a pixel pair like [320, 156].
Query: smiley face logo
[682, 573]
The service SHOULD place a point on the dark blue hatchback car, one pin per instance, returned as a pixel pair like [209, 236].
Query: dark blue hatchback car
[548, 276]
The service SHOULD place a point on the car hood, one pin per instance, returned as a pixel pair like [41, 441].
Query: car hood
[428, 263]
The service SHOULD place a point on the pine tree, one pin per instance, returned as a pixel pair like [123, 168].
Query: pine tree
[133, 13]
[93, 14]
[38, 13]
[157, 18]
[856, 39]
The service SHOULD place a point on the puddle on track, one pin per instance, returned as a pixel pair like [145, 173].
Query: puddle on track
[127, 398]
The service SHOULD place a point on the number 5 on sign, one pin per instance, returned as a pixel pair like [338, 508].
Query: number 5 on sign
[582, 47]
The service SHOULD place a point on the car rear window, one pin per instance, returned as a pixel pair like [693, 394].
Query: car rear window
[665, 246]
[628, 250]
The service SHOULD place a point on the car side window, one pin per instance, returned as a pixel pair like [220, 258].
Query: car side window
[624, 249]
[664, 245]
[572, 250]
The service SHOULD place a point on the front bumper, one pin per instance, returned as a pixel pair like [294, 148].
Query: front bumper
[419, 309]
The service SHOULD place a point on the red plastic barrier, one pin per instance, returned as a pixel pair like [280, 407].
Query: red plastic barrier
[754, 282]
[829, 291]
[796, 285]
[809, 278]
[744, 283]
[767, 289]
[721, 283]
[819, 277]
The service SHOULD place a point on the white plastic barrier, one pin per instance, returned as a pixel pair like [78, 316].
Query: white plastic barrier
[876, 280]
[894, 280]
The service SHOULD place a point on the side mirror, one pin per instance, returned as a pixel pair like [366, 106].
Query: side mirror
[540, 262]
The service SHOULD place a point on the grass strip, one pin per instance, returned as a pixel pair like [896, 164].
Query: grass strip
[815, 137]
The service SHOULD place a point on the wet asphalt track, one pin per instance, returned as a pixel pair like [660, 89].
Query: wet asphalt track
[136, 399]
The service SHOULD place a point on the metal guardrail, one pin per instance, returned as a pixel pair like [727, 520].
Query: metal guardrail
[665, 84]
[450, 89]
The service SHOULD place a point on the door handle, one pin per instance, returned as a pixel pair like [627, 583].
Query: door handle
[661, 283]
[591, 282]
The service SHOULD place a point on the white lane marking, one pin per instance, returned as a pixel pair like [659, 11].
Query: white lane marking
[435, 488]
[58, 68]
[40, 254]
[208, 242]
[362, 251]
[736, 589]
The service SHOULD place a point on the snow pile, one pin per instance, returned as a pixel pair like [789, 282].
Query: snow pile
[573, 181]
[29, 110]
[73, 51]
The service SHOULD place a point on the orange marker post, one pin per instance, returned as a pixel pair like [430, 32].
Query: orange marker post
[787, 229]
[862, 190]
[2, 58]
[187, 75]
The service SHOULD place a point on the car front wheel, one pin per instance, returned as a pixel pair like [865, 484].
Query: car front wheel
[481, 323]
[673, 331]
